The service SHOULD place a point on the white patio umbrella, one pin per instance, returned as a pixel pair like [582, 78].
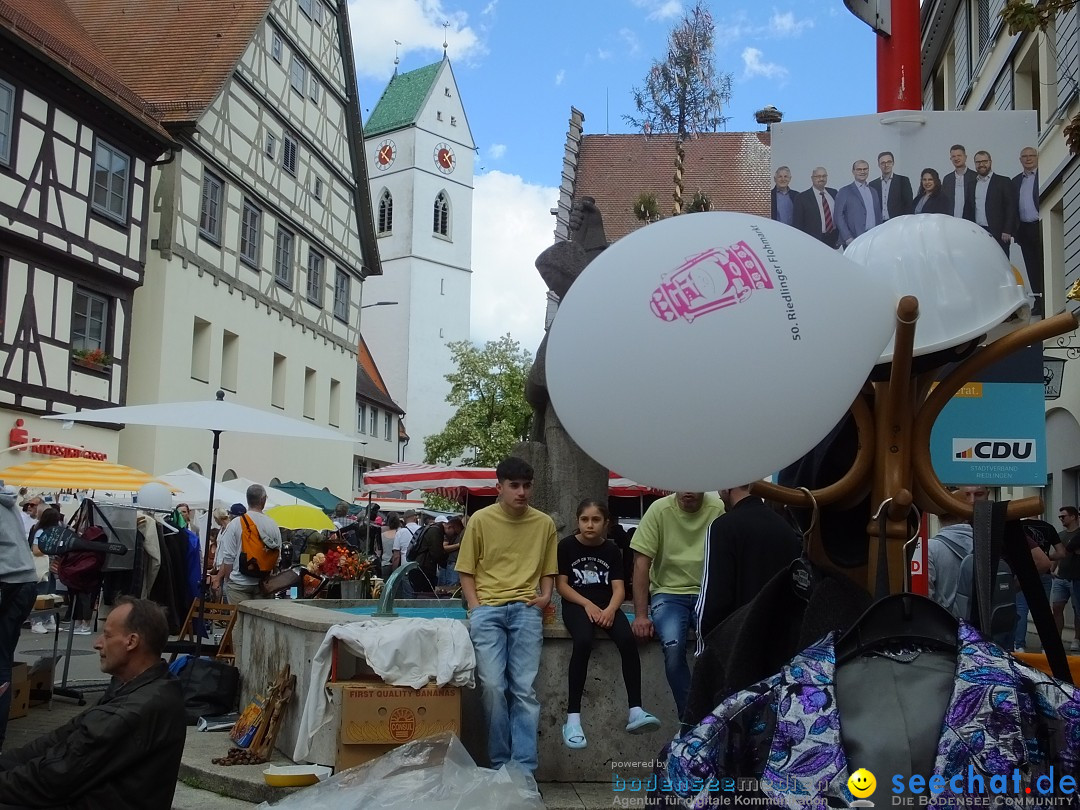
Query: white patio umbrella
[217, 416]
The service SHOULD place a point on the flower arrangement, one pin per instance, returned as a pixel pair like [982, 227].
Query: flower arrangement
[342, 563]
[93, 357]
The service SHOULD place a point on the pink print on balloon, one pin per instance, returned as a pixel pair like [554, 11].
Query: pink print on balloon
[715, 279]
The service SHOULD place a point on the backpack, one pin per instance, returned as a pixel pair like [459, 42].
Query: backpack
[1003, 603]
[413, 551]
[427, 555]
[256, 559]
[80, 571]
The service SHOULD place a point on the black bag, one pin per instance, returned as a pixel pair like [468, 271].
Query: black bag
[210, 687]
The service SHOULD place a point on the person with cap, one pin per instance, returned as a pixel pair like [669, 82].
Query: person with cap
[402, 540]
[18, 590]
[431, 551]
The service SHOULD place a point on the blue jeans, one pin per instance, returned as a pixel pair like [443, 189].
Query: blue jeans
[508, 639]
[448, 576]
[16, 602]
[672, 615]
[1020, 637]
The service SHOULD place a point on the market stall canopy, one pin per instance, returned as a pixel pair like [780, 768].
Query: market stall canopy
[216, 416]
[76, 473]
[273, 497]
[450, 481]
[194, 489]
[326, 501]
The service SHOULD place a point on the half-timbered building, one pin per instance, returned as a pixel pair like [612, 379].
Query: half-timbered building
[77, 147]
[261, 228]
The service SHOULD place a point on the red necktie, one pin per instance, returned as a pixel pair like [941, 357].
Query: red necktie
[827, 212]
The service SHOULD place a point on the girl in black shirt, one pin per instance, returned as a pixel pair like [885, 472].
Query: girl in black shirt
[592, 587]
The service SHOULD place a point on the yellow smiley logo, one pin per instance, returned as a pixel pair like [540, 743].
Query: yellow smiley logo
[862, 783]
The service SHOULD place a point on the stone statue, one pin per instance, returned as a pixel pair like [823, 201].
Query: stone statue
[564, 473]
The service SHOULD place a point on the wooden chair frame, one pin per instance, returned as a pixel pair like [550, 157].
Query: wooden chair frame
[188, 642]
[893, 420]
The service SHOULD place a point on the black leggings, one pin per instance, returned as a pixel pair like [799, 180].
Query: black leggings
[581, 631]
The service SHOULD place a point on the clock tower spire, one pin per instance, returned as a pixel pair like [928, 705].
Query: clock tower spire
[420, 154]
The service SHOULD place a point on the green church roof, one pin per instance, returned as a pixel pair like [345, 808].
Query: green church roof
[401, 100]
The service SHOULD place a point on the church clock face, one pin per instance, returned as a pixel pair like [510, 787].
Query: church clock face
[385, 154]
[445, 160]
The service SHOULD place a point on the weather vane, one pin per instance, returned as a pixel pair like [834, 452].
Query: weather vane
[445, 26]
[397, 59]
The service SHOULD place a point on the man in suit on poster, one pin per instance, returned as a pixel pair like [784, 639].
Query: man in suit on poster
[783, 197]
[959, 183]
[814, 213]
[995, 202]
[1028, 229]
[858, 206]
[893, 189]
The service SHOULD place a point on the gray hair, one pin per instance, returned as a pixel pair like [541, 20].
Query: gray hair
[256, 496]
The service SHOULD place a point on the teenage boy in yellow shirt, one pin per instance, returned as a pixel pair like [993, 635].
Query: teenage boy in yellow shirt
[507, 565]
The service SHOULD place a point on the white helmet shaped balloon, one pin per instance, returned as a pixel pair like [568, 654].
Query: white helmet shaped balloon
[965, 283]
[155, 496]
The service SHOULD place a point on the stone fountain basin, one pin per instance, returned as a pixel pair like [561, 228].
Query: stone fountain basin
[274, 632]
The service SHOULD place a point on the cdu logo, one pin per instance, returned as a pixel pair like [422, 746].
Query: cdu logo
[1003, 450]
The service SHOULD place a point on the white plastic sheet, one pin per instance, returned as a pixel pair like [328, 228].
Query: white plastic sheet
[435, 773]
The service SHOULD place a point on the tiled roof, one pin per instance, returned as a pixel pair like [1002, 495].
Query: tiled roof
[369, 382]
[50, 28]
[401, 101]
[176, 55]
[732, 168]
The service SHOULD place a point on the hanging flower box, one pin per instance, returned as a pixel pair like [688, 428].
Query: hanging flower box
[93, 359]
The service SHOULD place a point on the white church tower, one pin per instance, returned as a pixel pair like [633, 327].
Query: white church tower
[420, 156]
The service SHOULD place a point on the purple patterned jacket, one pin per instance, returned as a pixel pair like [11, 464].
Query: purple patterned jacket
[785, 730]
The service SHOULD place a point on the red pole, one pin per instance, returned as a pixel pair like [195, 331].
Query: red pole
[899, 73]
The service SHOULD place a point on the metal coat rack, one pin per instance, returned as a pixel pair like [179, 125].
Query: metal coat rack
[893, 420]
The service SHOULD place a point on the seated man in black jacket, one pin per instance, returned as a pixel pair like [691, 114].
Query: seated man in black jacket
[123, 753]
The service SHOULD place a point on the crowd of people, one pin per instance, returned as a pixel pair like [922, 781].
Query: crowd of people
[1056, 560]
[697, 558]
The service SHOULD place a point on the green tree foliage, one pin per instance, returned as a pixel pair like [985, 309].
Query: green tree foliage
[684, 94]
[488, 389]
[1023, 17]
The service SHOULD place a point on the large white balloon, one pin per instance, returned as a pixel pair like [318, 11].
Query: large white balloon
[964, 282]
[711, 349]
[153, 495]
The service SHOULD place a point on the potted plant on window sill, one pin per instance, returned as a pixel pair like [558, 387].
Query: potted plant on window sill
[93, 359]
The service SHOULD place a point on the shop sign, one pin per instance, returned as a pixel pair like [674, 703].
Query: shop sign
[19, 438]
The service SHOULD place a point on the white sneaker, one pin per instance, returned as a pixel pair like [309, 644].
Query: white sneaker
[82, 629]
[1020, 649]
[38, 627]
[51, 626]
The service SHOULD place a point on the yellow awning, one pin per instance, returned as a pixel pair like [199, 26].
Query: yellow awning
[76, 473]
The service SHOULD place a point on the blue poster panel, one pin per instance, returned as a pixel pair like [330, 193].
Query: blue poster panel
[993, 431]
